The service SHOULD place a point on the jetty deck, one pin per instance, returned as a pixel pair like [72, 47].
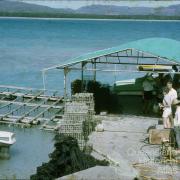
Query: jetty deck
[123, 143]
[20, 105]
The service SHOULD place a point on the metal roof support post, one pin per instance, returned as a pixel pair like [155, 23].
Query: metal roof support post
[94, 72]
[65, 82]
[82, 76]
[138, 58]
[44, 83]
[127, 53]
[131, 52]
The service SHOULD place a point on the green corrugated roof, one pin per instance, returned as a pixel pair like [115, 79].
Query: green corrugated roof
[163, 47]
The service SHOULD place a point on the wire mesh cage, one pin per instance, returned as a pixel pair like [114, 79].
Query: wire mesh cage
[78, 117]
[87, 98]
[76, 107]
[71, 128]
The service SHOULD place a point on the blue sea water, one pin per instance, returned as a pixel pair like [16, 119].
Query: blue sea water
[30, 150]
[29, 45]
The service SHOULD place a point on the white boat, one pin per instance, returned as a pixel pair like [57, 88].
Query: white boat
[125, 82]
[7, 138]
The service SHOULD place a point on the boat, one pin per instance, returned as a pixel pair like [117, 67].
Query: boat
[7, 138]
[125, 82]
[130, 86]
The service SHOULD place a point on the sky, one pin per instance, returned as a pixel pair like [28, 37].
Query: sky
[75, 4]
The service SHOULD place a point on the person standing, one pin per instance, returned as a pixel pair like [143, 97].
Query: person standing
[176, 77]
[178, 90]
[176, 102]
[172, 92]
[166, 107]
[172, 96]
[177, 121]
[148, 88]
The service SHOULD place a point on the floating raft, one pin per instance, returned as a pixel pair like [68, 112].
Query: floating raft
[20, 105]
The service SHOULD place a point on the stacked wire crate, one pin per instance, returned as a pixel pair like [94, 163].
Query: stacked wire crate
[87, 98]
[78, 117]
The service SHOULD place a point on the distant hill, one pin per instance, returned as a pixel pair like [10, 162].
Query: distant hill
[15, 6]
[173, 10]
[21, 7]
[115, 10]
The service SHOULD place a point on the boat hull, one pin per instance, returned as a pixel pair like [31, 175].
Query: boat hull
[3, 144]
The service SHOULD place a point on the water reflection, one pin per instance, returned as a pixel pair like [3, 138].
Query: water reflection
[30, 150]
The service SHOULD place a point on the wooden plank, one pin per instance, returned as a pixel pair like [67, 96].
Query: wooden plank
[53, 117]
[28, 104]
[10, 122]
[46, 110]
[9, 93]
[9, 117]
[16, 87]
[14, 118]
[16, 109]
[43, 97]
[33, 109]
[27, 89]
[28, 95]
[9, 102]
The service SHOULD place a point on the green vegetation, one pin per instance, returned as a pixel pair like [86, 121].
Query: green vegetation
[86, 16]
[66, 159]
[104, 99]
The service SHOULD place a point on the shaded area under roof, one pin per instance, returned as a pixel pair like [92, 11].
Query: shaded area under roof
[160, 47]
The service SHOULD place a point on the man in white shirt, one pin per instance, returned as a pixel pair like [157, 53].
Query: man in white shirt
[166, 106]
[172, 92]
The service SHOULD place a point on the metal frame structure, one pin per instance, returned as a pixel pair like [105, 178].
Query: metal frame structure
[27, 105]
[130, 57]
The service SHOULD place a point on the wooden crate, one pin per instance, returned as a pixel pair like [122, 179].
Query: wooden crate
[156, 136]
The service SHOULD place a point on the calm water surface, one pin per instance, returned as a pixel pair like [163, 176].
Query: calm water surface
[30, 150]
[29, 45]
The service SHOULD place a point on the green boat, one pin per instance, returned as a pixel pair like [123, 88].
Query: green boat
[129, 87]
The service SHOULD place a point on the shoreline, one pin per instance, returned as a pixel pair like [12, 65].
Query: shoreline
[89, 19]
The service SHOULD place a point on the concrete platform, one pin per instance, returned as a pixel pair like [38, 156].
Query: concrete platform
[123, 142]
[97, 173]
